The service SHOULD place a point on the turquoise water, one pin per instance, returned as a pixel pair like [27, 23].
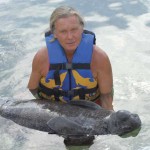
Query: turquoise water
[122, 28]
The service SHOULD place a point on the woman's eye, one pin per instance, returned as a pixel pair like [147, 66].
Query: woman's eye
[63, 31]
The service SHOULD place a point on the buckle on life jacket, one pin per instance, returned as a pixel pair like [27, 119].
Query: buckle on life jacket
[68, 66]
[74, 92]
[70, 93]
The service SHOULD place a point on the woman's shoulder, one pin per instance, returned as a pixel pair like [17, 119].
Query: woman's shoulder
[99, 54]
[40, 57]
[41, 54]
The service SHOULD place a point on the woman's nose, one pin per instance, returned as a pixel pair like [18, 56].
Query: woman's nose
[69, 35]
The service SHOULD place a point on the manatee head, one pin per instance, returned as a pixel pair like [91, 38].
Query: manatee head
[122, 122]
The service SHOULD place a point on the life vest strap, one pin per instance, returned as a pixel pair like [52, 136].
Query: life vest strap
[74, 92]
[68, 66]
[57, 77]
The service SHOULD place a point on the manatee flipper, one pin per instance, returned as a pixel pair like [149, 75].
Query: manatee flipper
[64, 126]
[85, 104]
[79, 140]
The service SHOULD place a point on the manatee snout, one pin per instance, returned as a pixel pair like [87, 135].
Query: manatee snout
[129, 119]
[122, 122]
[135, 120]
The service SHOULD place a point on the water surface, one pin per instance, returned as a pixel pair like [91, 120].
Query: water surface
[122, 29]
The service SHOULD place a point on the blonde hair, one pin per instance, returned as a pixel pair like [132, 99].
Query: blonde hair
[62, 12]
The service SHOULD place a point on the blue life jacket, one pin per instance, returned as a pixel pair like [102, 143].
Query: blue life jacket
[66, 81]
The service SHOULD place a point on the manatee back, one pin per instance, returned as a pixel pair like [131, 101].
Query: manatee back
[72, 109]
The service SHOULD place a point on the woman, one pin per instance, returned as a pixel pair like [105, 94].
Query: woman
[70, 66]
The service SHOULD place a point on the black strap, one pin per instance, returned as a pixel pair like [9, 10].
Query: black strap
[48, 33]
[74, 92]
[82, 93]
[68, 66]
[56, 94]
[57, 77]
[90, 32]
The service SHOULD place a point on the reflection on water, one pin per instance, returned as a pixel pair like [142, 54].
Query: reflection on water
[122, 30]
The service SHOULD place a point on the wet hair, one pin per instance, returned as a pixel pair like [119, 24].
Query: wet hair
[63, 12]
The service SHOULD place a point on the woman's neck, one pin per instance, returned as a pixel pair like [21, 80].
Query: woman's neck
[69, 57]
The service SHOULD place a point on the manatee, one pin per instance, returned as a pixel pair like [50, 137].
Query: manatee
[77, 121]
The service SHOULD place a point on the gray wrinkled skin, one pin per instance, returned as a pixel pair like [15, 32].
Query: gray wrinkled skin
[76, 119]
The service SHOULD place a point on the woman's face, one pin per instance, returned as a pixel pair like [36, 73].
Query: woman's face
[68, 32]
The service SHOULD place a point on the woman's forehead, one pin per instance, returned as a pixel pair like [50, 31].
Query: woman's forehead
[71, 21]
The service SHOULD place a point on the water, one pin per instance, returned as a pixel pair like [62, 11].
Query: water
[122, 28]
